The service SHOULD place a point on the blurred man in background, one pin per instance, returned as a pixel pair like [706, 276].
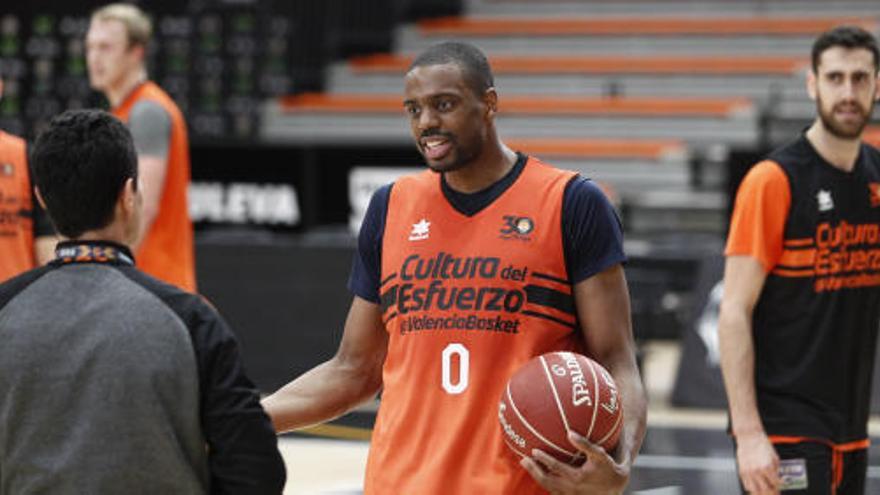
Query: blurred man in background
[27, 238]
[116, 45]
[801, 304]
[110, 380]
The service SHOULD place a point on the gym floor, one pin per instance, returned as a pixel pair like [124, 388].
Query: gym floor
[685, 451]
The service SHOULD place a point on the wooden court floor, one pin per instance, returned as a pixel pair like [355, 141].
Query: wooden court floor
[686, 451]
[675, 460]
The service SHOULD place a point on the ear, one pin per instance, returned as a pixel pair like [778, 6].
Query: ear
[877, 87]
[127, 201]
[139, 51]
[811, 84]
[40, 198]
[490, 99]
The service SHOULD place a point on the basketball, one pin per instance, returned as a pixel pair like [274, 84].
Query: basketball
[554, 393]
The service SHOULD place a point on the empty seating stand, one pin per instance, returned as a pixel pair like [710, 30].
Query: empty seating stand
[715, 28]
[654, 35]
[624, 167]
[766, 8]
[649, 180]
[600, 75]
[582, 80]
[319, 118]
[872, 136]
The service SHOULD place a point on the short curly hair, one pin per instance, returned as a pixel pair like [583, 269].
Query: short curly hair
[473, 63]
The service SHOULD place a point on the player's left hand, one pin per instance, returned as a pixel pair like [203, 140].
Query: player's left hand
[599, 474]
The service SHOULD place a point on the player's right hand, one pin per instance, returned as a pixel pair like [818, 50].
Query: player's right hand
[758, 464]
[599, 474]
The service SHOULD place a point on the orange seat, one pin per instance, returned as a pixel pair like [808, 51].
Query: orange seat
[872, 136]
[535, 64]
[635, 26]
[530, 105]
[652, 149]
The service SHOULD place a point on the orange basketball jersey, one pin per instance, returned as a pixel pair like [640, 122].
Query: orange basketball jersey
[16, 209]
[166, 252]
[466, 301]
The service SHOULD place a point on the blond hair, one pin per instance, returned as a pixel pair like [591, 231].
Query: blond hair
[137, 23]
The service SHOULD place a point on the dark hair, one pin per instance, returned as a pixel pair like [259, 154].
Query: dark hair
[80, 163]
[847, 37]
[473, 63]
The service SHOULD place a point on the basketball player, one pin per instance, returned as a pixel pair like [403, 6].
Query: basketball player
[464, 272]
[110, 380]
[27, 238]
[801, 303]
[116, 44]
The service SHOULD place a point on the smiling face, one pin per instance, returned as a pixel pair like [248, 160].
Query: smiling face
[449, 122]
[845, 88]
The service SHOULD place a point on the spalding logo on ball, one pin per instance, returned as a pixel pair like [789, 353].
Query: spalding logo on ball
[554, 393]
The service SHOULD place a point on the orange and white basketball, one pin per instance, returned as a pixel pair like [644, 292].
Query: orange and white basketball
[554, 393]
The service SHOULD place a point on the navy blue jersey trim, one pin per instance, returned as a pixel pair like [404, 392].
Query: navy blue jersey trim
[469, 204]
[544, 296]
[388, 298]
[551, 278]
[564, 323]
[388, 279]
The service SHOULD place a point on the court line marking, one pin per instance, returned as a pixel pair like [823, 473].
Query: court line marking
[693, 463]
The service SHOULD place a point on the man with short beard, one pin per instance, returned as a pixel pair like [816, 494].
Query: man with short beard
[801, 305]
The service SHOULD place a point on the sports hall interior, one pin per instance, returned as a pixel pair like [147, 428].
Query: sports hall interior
[295, 116]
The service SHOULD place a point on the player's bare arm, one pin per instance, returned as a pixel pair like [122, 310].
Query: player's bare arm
[604, 313]
[758, 462]
[152, 171]
[352, 376]
[151, 130]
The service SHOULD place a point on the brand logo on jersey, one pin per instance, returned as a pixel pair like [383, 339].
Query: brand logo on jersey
[517, 227]
[6, 169]
[847, 256]
[420, 230]
[824, 199]
[874, 189]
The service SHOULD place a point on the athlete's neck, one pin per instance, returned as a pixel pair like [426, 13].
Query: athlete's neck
[117, 94]
[115, 232]
[840, 153]
[495, 162]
